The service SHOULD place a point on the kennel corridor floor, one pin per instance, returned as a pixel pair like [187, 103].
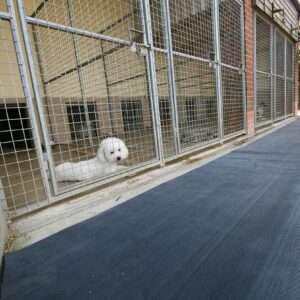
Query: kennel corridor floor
[227, 230]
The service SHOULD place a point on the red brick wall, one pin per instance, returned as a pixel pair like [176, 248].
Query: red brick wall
[249, 64]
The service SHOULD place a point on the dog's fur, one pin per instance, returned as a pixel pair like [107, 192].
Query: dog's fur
[111, 150]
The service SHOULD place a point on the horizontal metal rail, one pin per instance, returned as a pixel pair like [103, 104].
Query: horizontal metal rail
[188, 56]
[261, 124]
[77, 31]
[262, 72]
[4, 15]
[231, 67]
[191, 57]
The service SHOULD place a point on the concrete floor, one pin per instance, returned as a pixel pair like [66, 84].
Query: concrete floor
[32, 228]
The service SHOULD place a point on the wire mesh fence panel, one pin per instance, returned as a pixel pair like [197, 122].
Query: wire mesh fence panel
[157, 23]
[279, 66]
[280, 97]
[108, 103]
[192, 27]
[94, 86]
[20, 170]
[263, 109]
[195, 81]
[263, 45]
[274, 56]
[289, 59]
[163, 75]
[165, 105]
[230, 16]
[233, 102]
[289, 77]
[196, 102]
[231, 32]
[279, 54]
[289, 96]
[263, 98]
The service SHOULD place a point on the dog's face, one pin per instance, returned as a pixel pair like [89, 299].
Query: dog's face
[112, 150]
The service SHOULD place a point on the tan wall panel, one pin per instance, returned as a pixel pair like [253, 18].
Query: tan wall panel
[10, 79]
[100, 16]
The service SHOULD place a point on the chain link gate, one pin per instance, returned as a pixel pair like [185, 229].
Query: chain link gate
[274, 69]
[165, 76]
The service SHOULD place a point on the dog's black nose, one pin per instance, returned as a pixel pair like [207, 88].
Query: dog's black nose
[118, 158]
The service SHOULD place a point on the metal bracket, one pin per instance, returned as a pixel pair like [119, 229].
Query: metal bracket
[139, 49]
[137, 43]
[295, 29]
[242, 68]
[212, 59]
[270, 73]
[277, 11]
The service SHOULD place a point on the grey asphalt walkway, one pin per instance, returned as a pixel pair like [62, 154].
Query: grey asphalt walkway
[228, 230]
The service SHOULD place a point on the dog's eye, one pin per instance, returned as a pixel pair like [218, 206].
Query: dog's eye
[112, 152]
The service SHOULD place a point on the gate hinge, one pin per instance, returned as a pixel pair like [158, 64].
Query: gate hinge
[242, 68]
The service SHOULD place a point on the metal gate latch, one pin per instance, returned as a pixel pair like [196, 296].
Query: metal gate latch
[137, 43]
[139, 49]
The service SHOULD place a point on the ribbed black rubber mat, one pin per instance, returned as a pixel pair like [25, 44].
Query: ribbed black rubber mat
[228, 230]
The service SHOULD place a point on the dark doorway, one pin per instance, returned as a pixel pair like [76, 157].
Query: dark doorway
[165, 112]
[78, 122]
[132, 115]
[15, 129]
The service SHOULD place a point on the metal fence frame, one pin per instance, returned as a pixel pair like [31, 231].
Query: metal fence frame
[11, 17]
[217, 65]
[274, 31]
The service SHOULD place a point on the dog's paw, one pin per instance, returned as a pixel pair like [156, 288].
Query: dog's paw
[121, 168]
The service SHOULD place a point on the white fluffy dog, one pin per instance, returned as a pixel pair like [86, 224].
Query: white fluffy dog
[111, 150]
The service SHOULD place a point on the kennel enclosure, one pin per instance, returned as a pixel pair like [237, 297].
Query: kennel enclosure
[165, 76]
[274, 73]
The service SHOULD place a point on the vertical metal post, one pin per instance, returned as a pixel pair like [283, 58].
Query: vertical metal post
[38, 98]
[38, 55]
[171, 72]
[242, 69]
[285, 81]
[145, 9]
[216, 30]
[81, 83]
[27, 94]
